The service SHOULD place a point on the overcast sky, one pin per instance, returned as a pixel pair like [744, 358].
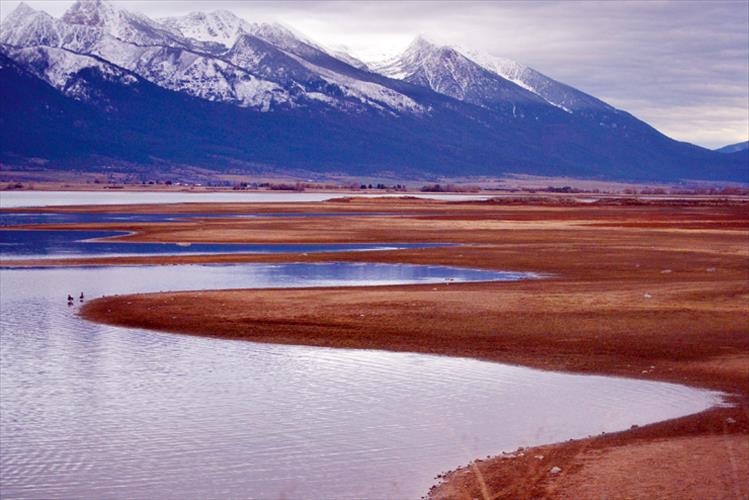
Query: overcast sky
[679, 65]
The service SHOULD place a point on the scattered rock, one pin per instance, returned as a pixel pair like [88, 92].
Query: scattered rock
[730, 420]
[648, 296]
[555, 470]
[539, 457]
[666, 271]
[710, 269]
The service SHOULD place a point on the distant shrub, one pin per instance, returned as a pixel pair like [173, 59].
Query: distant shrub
[450, 188]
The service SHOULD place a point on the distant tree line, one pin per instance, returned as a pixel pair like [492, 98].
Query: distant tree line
[450, 188]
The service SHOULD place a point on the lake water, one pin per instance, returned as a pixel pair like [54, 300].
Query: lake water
[10, 219]
[16, 199]
[51, 244]
[94, 411]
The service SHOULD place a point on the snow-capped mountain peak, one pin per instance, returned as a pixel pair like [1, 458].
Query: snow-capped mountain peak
[447, 71]
[471, 76]
[91, 13]
[421, 52]
[423, 41]
[21, 12]
[269, 57]
[59, 68]
[225, 27]
[214, 88]
[219, 26]
[128, 26]
[420, 43]
[26, 26]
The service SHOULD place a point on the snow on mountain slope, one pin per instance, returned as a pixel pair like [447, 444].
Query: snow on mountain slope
[102, 83]
[61, 69]
[342, 53]
[266, 66]
[225, 27]
[257, 55]
[286, 39]
[371, 93]
[171, 67]
[495, 82]
[197, 75]
[127, 26]
[554, 92]
[307, 80]
[26, 27]
[269, 66]
[447, 71]
[81, 27]
[219, 26]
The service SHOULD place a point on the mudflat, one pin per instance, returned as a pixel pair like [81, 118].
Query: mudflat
[656, 290]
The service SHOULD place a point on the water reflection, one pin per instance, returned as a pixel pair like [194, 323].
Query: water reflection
[10, 219]
[17, 199]
[88, 410]
[37, 244]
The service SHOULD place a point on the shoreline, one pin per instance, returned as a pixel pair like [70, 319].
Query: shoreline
[193, 313]
[690, 260]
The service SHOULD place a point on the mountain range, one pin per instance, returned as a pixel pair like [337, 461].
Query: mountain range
[102, 87]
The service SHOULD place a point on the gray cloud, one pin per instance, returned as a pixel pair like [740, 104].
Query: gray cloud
[679, 65]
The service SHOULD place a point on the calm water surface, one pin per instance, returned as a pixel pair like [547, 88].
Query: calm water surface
[95, 411]
[10, 219]
[40, 244]
[16, 199]
[44, 244]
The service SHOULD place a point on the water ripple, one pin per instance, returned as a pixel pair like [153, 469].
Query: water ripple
[88, 410]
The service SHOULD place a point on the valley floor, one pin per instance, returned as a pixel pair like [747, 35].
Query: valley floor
[658, 291]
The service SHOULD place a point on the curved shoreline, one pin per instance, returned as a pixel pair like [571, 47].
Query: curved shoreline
[462, 482]
[662, 303]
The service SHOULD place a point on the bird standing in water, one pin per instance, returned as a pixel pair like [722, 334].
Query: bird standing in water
[81, 297]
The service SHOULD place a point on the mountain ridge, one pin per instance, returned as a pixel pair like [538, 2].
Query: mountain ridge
[734, 148]
[448, 113]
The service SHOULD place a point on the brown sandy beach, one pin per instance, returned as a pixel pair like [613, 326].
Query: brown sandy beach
[658, 290]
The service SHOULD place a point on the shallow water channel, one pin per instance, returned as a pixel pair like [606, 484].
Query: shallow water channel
[95, 411]
[54, 244]
[65, 243]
